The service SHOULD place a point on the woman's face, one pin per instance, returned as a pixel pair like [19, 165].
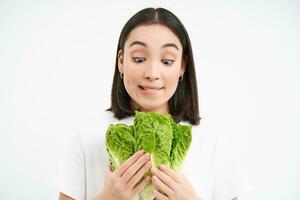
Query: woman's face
[151, 65]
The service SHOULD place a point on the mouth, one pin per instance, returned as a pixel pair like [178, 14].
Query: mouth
[149, 90]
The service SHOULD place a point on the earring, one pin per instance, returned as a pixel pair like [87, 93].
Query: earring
[181, 77]
[121, 75]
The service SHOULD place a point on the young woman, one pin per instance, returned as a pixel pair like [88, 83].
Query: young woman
[154, 72]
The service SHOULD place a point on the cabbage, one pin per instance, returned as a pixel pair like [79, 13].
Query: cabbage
[165, 141]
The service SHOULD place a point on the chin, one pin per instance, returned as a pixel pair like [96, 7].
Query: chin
[148, 107]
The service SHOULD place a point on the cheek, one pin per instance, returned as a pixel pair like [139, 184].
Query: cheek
[131, 81]
[130, 75]
[130, 70]
[172, 79]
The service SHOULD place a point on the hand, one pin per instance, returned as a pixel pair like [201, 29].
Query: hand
[125, 182]
[171, 185]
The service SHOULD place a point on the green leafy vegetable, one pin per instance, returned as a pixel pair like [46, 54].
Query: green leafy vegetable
[165, 141]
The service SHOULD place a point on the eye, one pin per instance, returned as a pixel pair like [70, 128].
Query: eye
[168, 62]
[138, 59]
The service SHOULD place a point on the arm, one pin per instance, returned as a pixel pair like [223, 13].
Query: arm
[62, 196]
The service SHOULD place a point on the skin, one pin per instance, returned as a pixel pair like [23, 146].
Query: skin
[152, 57]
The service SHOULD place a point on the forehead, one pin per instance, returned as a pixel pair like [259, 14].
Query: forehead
[154, 35]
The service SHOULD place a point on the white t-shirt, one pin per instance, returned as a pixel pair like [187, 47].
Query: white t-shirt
[210, 165]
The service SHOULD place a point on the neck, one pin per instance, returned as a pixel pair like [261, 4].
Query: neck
[161, 110]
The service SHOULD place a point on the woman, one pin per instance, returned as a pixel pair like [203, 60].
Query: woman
[154, 72]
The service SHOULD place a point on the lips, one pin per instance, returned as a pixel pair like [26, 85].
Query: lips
[147, 87]
[150, 89]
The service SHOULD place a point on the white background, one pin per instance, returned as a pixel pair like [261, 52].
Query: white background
[57, 61]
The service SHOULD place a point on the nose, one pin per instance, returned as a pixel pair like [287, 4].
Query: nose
[152, 71]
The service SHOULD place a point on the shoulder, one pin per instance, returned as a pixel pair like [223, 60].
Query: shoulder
[92, 128]
[205, 132]
[103, 118]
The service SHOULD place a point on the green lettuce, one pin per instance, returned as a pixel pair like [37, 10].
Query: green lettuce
[165, 141]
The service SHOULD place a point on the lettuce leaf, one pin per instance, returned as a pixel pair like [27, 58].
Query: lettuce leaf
[165, 141]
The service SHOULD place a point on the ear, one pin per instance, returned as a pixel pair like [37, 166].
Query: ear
[183, 65]
[120, 60]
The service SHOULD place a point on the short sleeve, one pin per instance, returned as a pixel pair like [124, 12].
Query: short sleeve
[229, 179]
[70, 177]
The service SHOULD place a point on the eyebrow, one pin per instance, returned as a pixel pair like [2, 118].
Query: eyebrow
[145, 45]
[170, 45]
[138, 43]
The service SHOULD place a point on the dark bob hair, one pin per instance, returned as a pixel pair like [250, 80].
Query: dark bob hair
[183, 104]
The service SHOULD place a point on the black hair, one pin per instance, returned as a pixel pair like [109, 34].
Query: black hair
[183, 105]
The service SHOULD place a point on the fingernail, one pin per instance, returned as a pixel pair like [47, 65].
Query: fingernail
[148, 165]
[153, 170]
[154, 178]
[140, 152]
[162, 167]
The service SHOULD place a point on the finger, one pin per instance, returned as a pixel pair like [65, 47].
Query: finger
[129, 162]
[131, 171]
[159, 195]
[162, 186]
[135, 179]
[141, 186]
[171, 173]
[169, 181]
